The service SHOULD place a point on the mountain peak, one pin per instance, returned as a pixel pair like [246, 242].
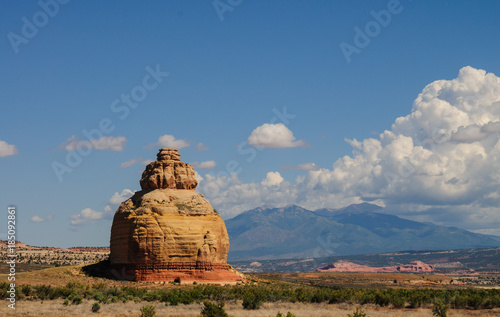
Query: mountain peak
[359, 208]
[351, 209]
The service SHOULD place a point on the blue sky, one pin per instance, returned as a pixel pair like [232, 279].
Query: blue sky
[232, 66]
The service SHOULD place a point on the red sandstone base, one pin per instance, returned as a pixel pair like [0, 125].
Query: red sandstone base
[202, 272]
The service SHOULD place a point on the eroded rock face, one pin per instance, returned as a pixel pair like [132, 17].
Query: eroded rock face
[168, 172]
[416, 266]
[167, 230]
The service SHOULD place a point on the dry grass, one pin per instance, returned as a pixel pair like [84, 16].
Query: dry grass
[55, 308]
[60, 276]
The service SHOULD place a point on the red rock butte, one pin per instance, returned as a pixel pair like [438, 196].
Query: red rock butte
[167, 231]
[346, 266]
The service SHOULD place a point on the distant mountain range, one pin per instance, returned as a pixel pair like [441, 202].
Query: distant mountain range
[295, 232]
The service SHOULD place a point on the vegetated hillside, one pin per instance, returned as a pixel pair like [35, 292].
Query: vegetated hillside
[464, 261]
[295, 232]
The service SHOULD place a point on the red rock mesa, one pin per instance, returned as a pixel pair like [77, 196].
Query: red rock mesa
[345, 266]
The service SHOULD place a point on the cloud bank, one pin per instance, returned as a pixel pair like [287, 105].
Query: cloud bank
[439, 163]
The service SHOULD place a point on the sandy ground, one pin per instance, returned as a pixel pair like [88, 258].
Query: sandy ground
[56, 308]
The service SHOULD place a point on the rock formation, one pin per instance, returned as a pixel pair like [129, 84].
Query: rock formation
[416, 267]
[345, 266]
[167, 231]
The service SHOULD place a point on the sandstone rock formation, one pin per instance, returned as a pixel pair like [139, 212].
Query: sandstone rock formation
[416, 267]
[345, 266]
[167, 231]
[168, 172]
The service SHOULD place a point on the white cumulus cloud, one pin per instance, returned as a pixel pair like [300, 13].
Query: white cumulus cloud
[273, 136]
[87, 215]
[272, 179]
[209, 165]
[169, 141]
[438, 163]
[7, 149]
[40, 219]
[118, 198]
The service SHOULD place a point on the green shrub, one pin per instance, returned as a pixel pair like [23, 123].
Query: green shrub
[43, 291]
[382, 299]
[59, 292]
[440, 309]
[459, 302]
[398, 302]
[75, 298]
[213, 310]
[357, 313]
[320, 295]
[475, 301]
[96, 307]
[151, 296]
[101, 297]
[415, 301]
[66, 302]
[26, 289]
[303, 295]
[171, 297]
[134, 292]
[99, 286]
[75, 285]
[148, 311]
[252, 301]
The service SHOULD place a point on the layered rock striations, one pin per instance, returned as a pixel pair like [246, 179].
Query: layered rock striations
[167, 231]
